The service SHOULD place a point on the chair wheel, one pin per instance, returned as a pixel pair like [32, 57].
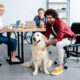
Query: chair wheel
[50, 52]
[55, 62]
[65, 67]
[0, 64]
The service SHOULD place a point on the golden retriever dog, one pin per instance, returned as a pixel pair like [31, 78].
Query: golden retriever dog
[40, 59]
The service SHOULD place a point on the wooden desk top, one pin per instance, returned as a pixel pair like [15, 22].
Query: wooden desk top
[25, 30]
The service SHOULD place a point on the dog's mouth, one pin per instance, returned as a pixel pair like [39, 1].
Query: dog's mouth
[36, 42]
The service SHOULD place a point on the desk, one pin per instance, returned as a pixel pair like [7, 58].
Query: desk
[20, 47]
[25, 30]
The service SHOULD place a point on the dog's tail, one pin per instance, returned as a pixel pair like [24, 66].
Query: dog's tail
[27, 64]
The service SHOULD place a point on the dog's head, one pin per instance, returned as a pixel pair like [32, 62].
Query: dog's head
[38, 37]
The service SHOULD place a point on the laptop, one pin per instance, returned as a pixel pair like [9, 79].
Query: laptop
[17, 24]
[30, 24]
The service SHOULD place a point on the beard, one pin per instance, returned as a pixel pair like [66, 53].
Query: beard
[50, 22]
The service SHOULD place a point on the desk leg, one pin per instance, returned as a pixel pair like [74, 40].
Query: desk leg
[22, 52]
[18, 45]
[9, 50]
[20, 49]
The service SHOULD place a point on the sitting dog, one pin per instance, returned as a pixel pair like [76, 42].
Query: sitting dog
[40, 59]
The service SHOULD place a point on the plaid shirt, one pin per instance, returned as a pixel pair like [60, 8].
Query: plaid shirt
[37, 19]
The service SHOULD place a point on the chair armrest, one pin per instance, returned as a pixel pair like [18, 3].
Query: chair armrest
[73, 45]
[77, 34]
[74, 37]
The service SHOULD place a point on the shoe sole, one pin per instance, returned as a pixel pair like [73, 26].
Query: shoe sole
[56, 73]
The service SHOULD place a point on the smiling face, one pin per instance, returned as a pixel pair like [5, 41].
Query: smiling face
[50, 19]
[37, 37]
[1, 12]
[41, 14]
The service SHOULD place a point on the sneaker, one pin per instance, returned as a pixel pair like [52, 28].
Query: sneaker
[57, 71]
[15, 60]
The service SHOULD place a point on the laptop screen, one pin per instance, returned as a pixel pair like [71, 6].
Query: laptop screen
[17, 24]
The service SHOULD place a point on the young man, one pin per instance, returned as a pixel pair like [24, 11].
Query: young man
[4, 39]
[63, 36]
[40, 17]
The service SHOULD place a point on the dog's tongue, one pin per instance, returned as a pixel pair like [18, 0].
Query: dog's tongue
[35, 43]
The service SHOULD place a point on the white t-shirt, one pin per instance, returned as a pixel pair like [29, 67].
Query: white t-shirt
[54, 31]
[1, 25]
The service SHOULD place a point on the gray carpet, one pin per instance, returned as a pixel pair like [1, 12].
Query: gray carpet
[17, 72]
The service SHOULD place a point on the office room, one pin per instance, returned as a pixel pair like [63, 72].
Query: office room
[39, 40]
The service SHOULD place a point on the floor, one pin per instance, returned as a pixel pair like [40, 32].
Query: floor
[17, 72]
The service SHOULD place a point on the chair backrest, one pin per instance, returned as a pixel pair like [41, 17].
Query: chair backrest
[76, 29]
[30, 24]
[17, 24]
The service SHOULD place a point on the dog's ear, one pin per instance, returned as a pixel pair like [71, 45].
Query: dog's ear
[45, 39]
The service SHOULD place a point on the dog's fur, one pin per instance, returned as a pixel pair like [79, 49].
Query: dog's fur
[40, 59]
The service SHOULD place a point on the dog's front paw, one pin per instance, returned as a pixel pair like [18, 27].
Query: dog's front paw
[34, 73]
[46, 72]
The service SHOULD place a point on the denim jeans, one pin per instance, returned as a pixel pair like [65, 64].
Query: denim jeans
[13, 42]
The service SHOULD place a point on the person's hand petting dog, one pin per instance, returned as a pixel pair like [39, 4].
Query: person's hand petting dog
[45, 46]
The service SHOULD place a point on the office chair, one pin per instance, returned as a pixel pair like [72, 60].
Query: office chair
[73, 49]
[1, 57]
[0, 61]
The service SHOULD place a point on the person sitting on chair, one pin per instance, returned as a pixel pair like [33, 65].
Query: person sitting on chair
[40, 17]
[63, 36]
[4, 39]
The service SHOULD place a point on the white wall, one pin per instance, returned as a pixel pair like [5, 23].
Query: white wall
[74, 11]
[26, 10]
[21, 9]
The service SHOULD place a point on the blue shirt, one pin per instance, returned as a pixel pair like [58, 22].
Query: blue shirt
[37, 20]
